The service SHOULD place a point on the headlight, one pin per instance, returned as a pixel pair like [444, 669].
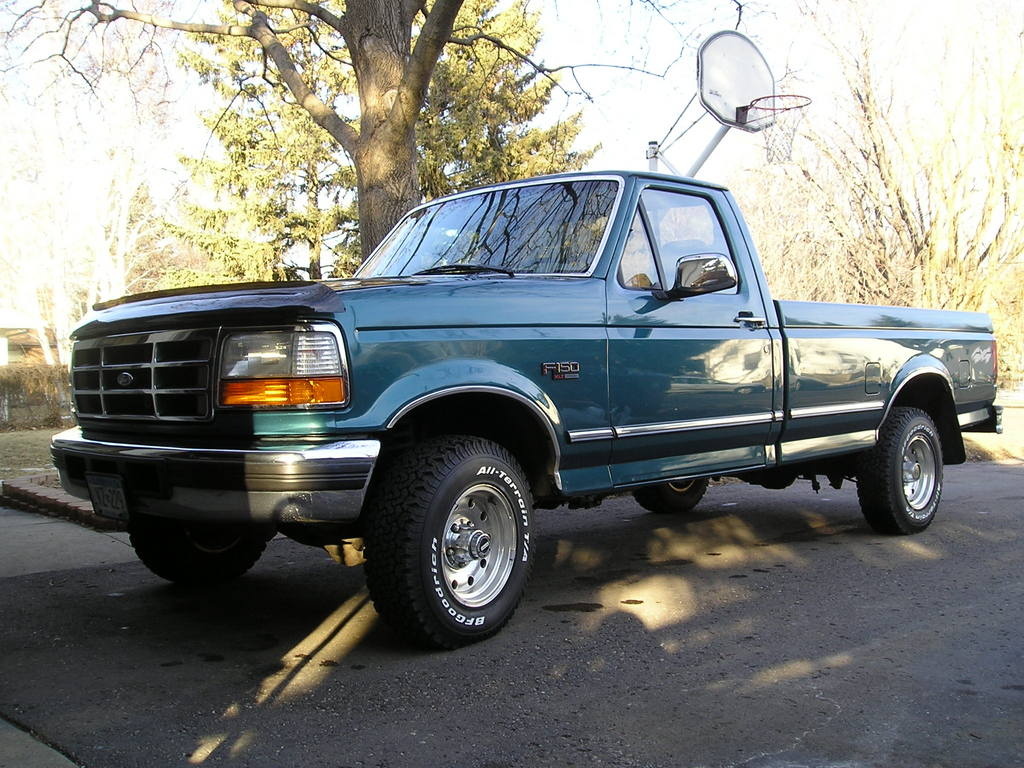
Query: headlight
[283, 369]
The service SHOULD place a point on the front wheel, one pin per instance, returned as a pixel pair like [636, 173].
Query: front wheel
[448, 549]
[899, 481]
[195, 554]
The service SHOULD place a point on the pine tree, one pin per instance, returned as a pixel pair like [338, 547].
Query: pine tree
[284, 191]
[479, 124]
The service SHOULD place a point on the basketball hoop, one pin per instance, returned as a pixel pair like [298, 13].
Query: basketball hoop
[736, 87]
[778, 117]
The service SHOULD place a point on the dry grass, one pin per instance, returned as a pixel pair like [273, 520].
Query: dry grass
[25, 452]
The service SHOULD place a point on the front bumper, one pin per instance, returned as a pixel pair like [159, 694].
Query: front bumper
[323, 482]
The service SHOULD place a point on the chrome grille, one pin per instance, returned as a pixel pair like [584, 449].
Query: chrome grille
[161, 376]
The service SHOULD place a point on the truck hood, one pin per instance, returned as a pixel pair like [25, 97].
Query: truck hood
[400, 302]
[472, 301]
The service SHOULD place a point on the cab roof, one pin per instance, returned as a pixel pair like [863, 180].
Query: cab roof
[626, 175]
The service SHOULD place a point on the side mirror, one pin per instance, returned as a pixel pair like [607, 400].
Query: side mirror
[699, 274]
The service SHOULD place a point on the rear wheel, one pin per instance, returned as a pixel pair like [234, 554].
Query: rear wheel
[448, 548]
[672, 498]
[899, 481]
[195, 554]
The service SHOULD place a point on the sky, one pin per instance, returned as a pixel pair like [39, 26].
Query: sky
[629, 109]
[928, 49]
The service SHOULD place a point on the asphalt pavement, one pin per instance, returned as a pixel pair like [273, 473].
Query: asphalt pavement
[767, 629]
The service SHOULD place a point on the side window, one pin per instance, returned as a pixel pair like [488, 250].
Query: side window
[683, 225]
[637, 270]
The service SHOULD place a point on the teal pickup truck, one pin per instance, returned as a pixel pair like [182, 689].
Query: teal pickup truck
[532, 344]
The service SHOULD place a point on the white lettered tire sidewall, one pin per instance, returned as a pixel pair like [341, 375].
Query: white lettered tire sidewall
[918, 518]
[502, 479]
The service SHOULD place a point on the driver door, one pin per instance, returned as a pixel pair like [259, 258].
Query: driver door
[691, 380]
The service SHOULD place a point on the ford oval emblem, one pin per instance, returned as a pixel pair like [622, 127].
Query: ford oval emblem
[125, 379]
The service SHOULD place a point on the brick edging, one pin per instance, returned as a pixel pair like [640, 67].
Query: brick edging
[31, 495]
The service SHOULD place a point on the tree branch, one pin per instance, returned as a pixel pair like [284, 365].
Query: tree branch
[543, 69]
[328, 53]
[107, 14]
[433, 36]
[739, 12]
[312, 9]
[26, 14]
[272, 46]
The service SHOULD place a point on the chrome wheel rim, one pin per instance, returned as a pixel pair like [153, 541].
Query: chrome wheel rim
[479, 546]
[682, 487]
[919, 475]
[212, 542]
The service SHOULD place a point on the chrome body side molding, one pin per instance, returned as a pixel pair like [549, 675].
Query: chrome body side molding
[635, 430]
[836, 410]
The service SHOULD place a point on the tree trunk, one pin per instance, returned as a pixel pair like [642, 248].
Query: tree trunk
[315, 240]
[386, 185]
[44, 345]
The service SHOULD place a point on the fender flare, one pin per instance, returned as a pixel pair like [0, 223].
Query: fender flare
[920, 365]
[949, 428]
[424, 385]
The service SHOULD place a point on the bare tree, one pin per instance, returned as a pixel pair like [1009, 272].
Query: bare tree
[78, 224]
[900, 199]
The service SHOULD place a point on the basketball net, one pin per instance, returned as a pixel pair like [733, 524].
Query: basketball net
[777, 118]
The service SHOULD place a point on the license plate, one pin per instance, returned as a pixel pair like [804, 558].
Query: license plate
[107, 493]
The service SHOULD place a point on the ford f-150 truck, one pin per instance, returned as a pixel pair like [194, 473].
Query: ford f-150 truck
[532, 344]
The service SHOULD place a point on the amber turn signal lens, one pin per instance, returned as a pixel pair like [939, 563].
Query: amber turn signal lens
[282, 392]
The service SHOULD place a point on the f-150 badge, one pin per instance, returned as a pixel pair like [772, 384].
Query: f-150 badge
[561, 371]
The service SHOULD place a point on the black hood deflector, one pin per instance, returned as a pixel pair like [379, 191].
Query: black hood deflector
[241, 303]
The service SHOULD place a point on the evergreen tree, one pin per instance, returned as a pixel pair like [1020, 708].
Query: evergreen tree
[285, 191]
[479, 124]
[282, 191]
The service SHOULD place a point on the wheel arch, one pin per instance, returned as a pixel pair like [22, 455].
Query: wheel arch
[926, 384]
[504, 416]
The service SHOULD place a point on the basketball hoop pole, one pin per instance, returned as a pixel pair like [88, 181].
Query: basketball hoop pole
[708, 150]
[654, 155]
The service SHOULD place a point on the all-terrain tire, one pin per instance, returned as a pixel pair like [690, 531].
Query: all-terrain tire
[672, 498]
[195, 554]
[448, 548]
[899, 481]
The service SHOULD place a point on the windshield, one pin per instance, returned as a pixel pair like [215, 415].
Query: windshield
[551, 228]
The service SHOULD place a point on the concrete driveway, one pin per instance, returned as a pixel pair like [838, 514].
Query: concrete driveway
[766, 629]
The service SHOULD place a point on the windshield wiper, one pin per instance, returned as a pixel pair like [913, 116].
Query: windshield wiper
[464, 269]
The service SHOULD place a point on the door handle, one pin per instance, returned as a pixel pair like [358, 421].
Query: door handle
[746, 318]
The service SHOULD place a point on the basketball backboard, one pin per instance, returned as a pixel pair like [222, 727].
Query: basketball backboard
[731, 73]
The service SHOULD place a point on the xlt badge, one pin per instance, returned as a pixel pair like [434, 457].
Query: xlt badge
[561, 371]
